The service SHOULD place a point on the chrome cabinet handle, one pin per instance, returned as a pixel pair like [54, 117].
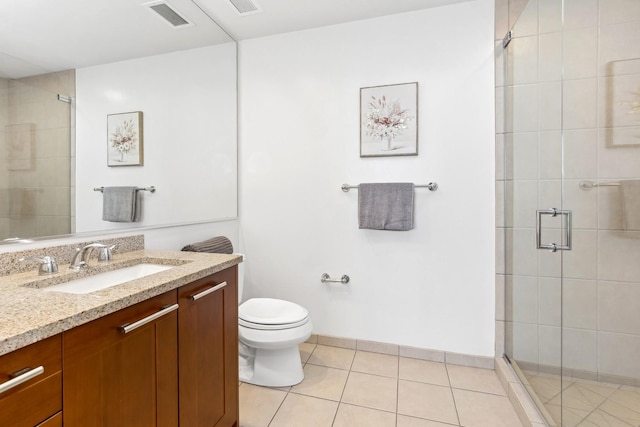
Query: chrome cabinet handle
[553, 247]
[208, 291]
[21, 378]
[135, 325]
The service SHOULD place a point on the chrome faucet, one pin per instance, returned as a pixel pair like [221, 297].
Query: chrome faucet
[82, 255]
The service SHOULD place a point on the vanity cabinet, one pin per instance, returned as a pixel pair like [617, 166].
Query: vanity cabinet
[39, 398]
[208, 351]
[122, 369]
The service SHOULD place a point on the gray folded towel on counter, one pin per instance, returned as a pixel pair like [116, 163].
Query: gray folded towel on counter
[215, 245]
[120, 204]
[386, 206]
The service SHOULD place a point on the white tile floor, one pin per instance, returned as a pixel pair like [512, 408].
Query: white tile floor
[349, 388]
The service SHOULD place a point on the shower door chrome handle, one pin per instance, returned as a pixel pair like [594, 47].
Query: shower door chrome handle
[553, 212]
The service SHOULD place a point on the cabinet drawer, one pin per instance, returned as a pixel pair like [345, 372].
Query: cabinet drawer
[37, 399]
[55, 421]
[84, 340]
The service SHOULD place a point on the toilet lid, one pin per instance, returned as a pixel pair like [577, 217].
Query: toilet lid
[269, 311]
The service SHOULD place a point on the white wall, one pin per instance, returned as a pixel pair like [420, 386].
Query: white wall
[431, 287]
[188, 99]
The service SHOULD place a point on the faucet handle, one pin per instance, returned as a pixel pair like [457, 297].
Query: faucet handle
[48, 264]
[105, 253]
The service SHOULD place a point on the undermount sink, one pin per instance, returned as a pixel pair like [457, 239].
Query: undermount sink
[88, 284]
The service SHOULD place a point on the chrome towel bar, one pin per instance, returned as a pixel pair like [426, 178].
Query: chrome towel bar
[432, 186]
[151, 189]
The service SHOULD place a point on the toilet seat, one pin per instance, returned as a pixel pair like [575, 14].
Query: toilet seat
[271, 314]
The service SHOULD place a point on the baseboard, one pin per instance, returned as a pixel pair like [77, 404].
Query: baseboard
[405, 351]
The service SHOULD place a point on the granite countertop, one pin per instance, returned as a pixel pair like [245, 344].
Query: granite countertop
[28, 314]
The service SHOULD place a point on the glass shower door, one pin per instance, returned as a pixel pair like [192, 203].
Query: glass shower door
[572, 143]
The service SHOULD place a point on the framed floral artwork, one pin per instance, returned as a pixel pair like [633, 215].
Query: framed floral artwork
[124, 139]
[389, 120]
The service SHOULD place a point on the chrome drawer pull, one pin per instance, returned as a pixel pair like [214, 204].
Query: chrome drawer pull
[26, 376]
[135, 325]
[207, 291]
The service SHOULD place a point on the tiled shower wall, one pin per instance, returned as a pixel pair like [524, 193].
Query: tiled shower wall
[35, 155]
[578, 80]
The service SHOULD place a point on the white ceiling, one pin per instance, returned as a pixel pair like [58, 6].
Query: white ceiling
[40, 36]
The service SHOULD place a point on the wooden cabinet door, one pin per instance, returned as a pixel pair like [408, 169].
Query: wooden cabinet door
[25, 404]
[113, 378]
[208, 359]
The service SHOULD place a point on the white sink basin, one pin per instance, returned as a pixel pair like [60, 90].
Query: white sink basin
[107, 279]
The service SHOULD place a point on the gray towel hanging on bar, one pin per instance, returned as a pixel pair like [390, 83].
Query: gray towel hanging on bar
[386, 206]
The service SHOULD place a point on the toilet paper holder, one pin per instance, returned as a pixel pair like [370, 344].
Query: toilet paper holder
[325, 278]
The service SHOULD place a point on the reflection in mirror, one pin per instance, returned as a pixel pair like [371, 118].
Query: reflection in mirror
[58, 84]
[35, 162]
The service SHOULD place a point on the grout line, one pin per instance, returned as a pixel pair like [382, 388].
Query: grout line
[453, 397]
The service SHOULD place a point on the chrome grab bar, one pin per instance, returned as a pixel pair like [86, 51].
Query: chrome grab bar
[325, 278]
[208, 291]
[553, 247]
[135, 325]
[21, 378]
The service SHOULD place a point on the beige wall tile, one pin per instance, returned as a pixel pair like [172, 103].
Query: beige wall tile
[580, 154]
[523, 16]
[550, 56]
[580, 51]
[618, 354]
[521, 298]
[550, 299]
[615, 11]
[469, 360]
[579, 349]
[581, 262]
[550, 163]
[500, 296]
[550, 341]
[617, 304]
[523, 258]
[580, 13]
[522, 60]
[579, 104]
[550, 106]
[619, 42]
[521, 150]
[521, 113]
[550, 16]
[580, 304]
[618, 256]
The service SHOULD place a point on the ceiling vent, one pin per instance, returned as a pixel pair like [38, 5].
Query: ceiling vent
[245, 7]
[168, 14]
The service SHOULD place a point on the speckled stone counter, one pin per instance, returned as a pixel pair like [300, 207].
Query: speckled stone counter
[28, 314]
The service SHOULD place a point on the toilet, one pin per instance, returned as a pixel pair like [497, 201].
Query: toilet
[269, 331]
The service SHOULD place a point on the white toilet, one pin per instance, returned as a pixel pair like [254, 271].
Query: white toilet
[270, 331]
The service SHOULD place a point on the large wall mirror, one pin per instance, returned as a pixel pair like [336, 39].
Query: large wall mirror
[66, 66]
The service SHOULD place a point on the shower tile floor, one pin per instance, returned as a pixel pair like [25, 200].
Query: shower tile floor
[349, 388]
[587, 403]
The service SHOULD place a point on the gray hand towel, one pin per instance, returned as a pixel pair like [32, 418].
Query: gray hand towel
[630, 204]
[120, 204]
[215, 245]
[386, 206]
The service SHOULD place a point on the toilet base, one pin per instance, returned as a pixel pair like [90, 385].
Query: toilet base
[272, 368]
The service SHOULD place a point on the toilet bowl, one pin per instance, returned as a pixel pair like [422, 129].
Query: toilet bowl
[269, 331]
